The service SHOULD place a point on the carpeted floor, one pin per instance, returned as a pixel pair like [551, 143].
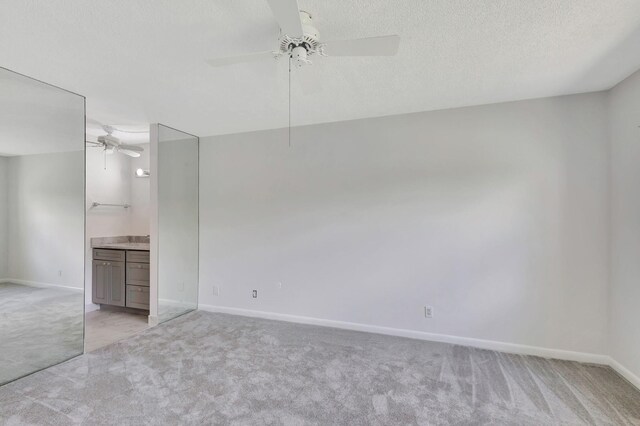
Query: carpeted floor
[39, 327]
[205, 368]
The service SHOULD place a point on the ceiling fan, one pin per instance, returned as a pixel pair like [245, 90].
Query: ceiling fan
[300, 40]
[112, 144]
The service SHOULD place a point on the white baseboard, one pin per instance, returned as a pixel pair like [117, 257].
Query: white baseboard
[90, 307]
[625, 372]
[41, 285]
[421, 335]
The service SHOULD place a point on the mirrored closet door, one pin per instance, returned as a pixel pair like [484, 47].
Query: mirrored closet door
[42, 132]
[174, 234]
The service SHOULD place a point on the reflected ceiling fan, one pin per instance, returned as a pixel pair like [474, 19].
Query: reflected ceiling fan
[300, 40]
[112, 144]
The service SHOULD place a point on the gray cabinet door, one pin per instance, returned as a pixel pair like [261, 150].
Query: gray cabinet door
[100, 282]
[117, 292]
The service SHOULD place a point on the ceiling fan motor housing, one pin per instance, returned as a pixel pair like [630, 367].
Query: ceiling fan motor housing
[109, 140]
[300, 48]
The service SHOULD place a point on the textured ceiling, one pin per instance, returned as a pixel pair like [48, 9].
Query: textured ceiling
[144, 61]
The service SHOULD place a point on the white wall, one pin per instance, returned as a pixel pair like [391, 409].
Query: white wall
[494, 215]
[140, 194]
[624, 104]
[46, 219]
[4, 217]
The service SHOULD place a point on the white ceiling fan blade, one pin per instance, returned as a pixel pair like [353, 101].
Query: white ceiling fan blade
[131, 147]
[96, 123]
[122, 129]
[94, 127]
[372, 46]
[125, 151]
[130, 150]
[287, 13]
[230, 60]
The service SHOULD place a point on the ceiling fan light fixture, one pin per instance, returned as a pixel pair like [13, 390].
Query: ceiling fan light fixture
[299, 56]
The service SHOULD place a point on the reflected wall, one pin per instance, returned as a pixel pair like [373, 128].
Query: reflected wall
[41, 225]
[176, 177]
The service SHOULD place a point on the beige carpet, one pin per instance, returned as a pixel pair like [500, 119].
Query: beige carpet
[206, 368]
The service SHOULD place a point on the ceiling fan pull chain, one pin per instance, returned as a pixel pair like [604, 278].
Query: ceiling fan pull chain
[289, 102]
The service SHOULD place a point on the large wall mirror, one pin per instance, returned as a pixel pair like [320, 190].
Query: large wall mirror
[175, 190]
[42, 132]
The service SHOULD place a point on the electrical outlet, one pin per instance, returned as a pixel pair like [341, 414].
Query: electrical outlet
[216, 290]
[255, 294]
[428, 311]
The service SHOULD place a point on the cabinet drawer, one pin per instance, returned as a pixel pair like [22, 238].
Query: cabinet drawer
[138, 274]
[137, 297]
[137, 256]
[106, 254]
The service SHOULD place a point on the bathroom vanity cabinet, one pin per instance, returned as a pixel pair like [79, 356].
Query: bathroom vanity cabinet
[121, 278]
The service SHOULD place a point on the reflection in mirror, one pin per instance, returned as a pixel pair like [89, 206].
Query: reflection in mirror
[41, 225]
[177, 222]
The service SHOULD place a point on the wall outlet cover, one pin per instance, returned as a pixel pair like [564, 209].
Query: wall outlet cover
[428, 311]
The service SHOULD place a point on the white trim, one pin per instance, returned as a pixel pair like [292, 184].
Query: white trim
[40, 285]
[90, 307]
[421, 335]
[625, 372]
[153, 223]
[153, 320]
